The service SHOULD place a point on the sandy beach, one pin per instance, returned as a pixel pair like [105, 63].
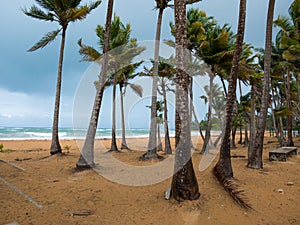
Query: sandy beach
[36, 188]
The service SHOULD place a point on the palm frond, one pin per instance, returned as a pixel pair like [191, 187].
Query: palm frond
[188, 2]
[94, 5]
[74, 3]
[77, 13]
[46, 4]
[89, 53]
[137, 89]
[49, 37]
[37, 13]
[231, 187]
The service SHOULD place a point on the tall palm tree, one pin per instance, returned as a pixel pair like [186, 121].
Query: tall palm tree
[161, 5]
[62, 12]
[124, 76]
[255, 154]
[223, 169]
[86, 159]
[119, 64]
[184, 182]
[166, 78]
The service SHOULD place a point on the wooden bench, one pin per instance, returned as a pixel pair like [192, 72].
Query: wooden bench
[282, 154]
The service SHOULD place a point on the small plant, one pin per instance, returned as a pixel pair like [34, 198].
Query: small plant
[68, 147]
[1, 147]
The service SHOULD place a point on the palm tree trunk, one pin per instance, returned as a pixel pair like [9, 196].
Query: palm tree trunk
[86, 159]
[252, 120]
[159, 144]
[289, 119]
[274, 116]
[224, 86]
[223, 169]
[168, 149]
[55, 146]
[233, 134]
[197, 122]
[114, 147]
[152, 148]
[280, 137]
[184, 182]
[255, 160]
[246, 139]
[205, 147]
[124, 144]
[191, 100]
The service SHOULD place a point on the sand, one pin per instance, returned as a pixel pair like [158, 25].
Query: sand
[57, 194]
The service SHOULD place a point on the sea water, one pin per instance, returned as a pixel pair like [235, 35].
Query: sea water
[45, 133]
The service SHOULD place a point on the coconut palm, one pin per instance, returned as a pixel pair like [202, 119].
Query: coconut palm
[86, 159]
[255, 154]
[184, 182]
[124, 76]
[223, 169]
[119, 64]
[166, 73]
[62, 12]
[161, 5]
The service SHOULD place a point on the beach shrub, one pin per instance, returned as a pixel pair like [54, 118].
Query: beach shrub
[1, 147]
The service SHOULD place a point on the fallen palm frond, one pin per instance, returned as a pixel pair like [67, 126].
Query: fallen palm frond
[231, 187]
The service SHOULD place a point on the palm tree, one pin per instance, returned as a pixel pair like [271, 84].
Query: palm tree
[255, 154]
[223, 169]
[184, 182]
[86, 159]
[287, 41]
[161, 5]
[124, 75]
[62, 12]
[166, 78]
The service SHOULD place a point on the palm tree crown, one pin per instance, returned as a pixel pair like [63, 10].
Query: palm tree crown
[60, 11]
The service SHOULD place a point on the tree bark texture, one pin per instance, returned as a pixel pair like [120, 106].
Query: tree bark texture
[55, 145]
[255, 159]
[224, 164]
[152, 142]
[184, 182]
[86, 159]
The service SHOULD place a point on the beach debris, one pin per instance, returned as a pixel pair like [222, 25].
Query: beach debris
[281, 191]
[168, 193]
[54, 181]
[12, 164]
[24, 159]
[290, 183]
[81, 213]
[21, 193]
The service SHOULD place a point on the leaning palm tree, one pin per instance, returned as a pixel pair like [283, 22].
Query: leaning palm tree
[63, 12]
[223, 169]
[123, 50]
[255, 154]
[86, 159]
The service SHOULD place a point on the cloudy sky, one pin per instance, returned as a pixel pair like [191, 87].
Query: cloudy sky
[27, 80]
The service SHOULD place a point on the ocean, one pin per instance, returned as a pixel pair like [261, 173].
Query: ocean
[45, 133]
